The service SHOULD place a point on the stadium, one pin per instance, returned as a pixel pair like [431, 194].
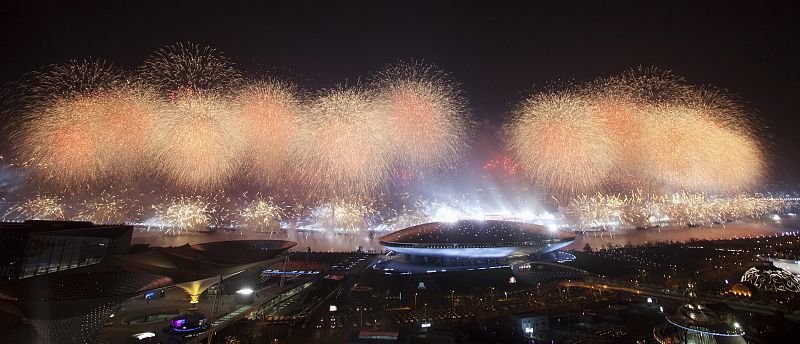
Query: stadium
[473, 239]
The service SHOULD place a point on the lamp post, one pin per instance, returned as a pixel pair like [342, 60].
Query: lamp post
[360, 316]
[244, 295]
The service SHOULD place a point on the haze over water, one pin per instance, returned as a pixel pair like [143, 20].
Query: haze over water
[324, 241]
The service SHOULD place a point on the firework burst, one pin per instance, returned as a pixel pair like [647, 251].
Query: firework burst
[74, 78]
[89, 133]
[124, 121]
[269, 112]
[41, 207]
[643, 129]
[344, 216]
[199, 141]
[60, 143]
[188, 67]
[561, 143]
[182, 214]
[643, 209]
[83, 123]
[343, 145]
[262, 213]
[106, 208]
[705, 145]
[425, 113]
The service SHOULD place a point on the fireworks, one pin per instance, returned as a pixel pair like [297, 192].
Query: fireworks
[343, 216]
[646, 130]
[125, 125]
[425, 113]
[75, 78]
[93, 133]
[641, 209]
[182, 214]
[40, 208]
[187, 67]
[343, 146]
[700, 147]
[269, 113]
[56, 133]
[61, 144]
[559, 140]
[188, 116]
[261, 213]
[105, 208]
[199, 141]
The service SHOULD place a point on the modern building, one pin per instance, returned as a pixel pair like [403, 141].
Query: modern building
[745, 289]
[474, 239]
[791, 265]
[695, 323]
[530, 323]
[192, 322]
[71, 305]
[34, 247]
[195, 268]
[767, 277]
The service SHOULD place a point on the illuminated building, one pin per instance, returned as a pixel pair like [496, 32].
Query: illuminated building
[193, 322]
[71, 306]
[33, 247]
[530, 323]
[195, 268]
[768, 277]
[742, 289]
[473, 239]
[695, 323]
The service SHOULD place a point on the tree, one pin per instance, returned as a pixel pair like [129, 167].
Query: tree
[587, 248]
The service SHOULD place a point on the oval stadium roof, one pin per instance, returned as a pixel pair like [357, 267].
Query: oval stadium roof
[473, 232]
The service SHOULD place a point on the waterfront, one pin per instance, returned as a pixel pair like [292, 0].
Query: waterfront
[331, 242]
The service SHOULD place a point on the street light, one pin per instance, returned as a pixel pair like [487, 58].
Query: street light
[360, 316]
[244, 295]
[245, 291]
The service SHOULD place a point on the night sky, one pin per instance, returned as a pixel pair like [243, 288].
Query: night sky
[499, 53]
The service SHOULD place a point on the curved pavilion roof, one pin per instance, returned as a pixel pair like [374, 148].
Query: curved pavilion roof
[64, 294]
[120, 276]
[194, 262]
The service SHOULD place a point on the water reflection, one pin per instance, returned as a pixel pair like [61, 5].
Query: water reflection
[324, 241]
[717, 232]
[318, 241]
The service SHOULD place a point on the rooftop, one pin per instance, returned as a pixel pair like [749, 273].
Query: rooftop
[474, 232]
[76, 228]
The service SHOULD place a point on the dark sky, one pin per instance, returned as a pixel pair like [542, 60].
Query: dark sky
[498, 52]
